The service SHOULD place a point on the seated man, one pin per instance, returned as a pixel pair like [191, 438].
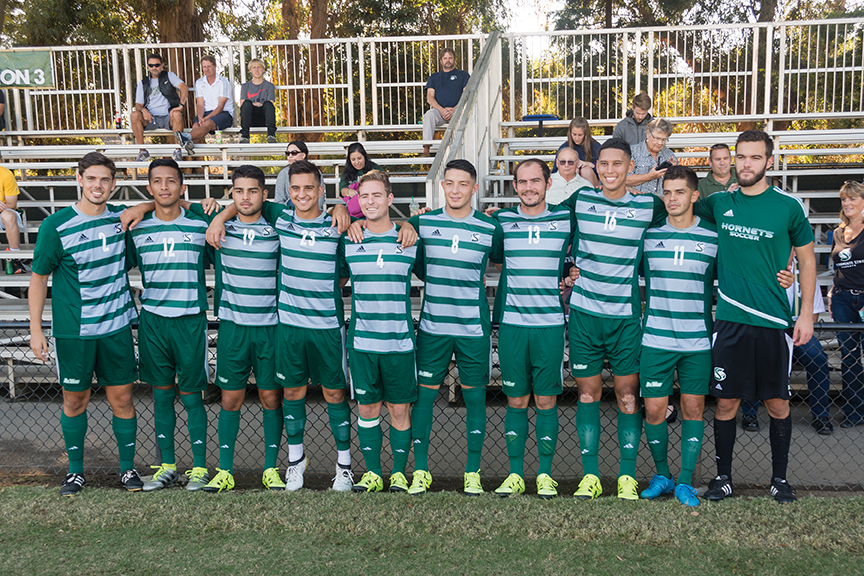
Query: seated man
[214, 104]
[159, 102]
[10, 219]
[566, 181]
[649, 155]
[257, 109]
[443, 90]
[632, 128]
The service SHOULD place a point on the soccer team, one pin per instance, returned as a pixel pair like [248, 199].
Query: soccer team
[279, 274]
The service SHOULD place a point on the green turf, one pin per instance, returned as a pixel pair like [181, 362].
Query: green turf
[106, 531]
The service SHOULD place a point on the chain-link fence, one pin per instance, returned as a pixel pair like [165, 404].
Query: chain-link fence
[31, 440]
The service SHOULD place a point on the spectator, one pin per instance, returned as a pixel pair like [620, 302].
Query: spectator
[649, 155]
[2, 109]
[443, 90]
[296, 150]
[159, 102]
[632, 127]
[566, 180]
[357, 164]
[579, 139]
[721, 177]
[257, 109]
[10, 219]
[214, 103]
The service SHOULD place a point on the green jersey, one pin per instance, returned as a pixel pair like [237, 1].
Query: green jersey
[679, 287]
[453, 263]
[756, 235]
[170, 256]
[87, 255]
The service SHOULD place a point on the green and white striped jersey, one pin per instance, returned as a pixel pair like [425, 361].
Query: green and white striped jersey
[380, 271]
[453, 263]
[534, 249]
[170, 256]
[608, 249]
[679, 284]
[87, 255]
[309, 293]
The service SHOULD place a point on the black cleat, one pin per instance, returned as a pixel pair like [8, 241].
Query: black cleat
[131, 481]
[782, 491]
[750, 423]
[719, 488]
[72, 485]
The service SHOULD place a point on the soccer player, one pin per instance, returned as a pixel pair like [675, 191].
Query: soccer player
[529, 308]
[757, 226]
[381, 333]
[168, 245]
[84, 247]
[458, 242]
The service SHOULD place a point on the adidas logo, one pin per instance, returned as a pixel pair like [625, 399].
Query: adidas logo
[401, 451]
[718, 387]
[289, 417]
[224, 446]
[345, 423]
[654, 442]
[290, 227]
[196, 442]
[436, 233]
[475, 432]
[510, 433]
[148, 240]
[160, 436]
[229, 227]
[692, 439]
[660, 245]
[514, 226]
[72, 448]
[417, 441]
[366, 448]
[592, 209]
[629, 446]
[361, 250]
[729, 213]
[83, 238]
[585, 451]
[272, 446]
[130, 444]
[546, 439]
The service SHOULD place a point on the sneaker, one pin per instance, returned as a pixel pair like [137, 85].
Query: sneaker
[627, 488]
[18, 267]
[188, 144]
[198, 479]
[420, 482]
[822, 426]
[272, 140]
[398, 482]
[850, 423]
[513, 485]
[272, 480]
[750, 423]
[719, 488]
[546, 487]
[472, 484]
[72, 485]
[782, 491]
[686, 495]
[143, 156]
[294, 475]
[244, 140]
[177, 155]
[178, 137]
[223, 482]
[589, 488]
[163, 478]
[131, 480]
[659, 485]
[344, 479]
[370, 482]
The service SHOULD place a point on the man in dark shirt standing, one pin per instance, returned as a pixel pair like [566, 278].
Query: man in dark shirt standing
[443, 90]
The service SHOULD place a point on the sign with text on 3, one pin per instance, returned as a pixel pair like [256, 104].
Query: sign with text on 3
[26, 69]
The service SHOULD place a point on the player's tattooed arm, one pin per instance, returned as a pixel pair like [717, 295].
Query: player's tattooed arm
[216, 230]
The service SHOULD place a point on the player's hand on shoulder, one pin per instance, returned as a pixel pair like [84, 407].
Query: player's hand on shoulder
[355, 231]
[490, 210]
[341, 218]
[785, 278]
[131, 216]
[423, 210]
[216, 234]
[407, 235]
[210, 206]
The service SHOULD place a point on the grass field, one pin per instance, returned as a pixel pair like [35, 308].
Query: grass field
[107, 531]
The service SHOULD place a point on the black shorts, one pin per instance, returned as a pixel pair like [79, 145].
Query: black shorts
[750, 362]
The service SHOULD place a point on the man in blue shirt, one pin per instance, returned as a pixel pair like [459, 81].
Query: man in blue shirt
[443, 90]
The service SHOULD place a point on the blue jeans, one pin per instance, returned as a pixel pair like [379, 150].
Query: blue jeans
[844, 308]
[815, 362]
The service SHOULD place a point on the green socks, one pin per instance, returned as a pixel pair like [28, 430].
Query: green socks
[516, 433]
[125, 430]
[421, 426]
[588, 429]
[196, 423]
[229, 425]
[165, 421]
[629, 436]
[340, 424]
[475, 425]
[400, 446]
[272, 420]
[74, 430]
[546, 430]
[657, 436]
[294, 415]
[692, 432]
[370, 439]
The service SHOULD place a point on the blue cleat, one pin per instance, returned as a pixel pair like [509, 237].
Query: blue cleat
[659, 485]
[686, 495]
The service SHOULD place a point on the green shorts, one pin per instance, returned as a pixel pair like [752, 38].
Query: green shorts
[593, 339]
[111, 357]
[473, 358]
[304, 353]
[532, 360]
[388, 377]
[173, 346]
[240, 349]
[658, 370]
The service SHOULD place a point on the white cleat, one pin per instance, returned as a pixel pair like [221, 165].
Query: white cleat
[294, 475]
[344, 480]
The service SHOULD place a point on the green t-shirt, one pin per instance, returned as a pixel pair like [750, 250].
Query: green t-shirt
[709, 185]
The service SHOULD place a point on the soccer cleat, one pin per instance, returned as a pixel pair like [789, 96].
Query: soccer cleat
[686, 495]
[198, 479]
[177, 155]
[750, 423]
[72, 485]
[272, 140]
[131, 480]
[782, 491]
[659, 485]
[719, 488]
[472, 484]
[370, 482]
[344, 479]
[398, 482]
[589, 488]
[143, 156]
[420, 482]
[244, 140]
[513, 485]
[222, 482]
[546, 487]
[163, 478]
[272, 480]
[627, 488]
[294, 475]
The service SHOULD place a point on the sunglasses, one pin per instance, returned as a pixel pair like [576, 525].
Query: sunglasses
[293, 152]
[566, 162]
[154, 65]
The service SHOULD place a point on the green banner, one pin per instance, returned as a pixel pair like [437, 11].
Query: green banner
[26, 69]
